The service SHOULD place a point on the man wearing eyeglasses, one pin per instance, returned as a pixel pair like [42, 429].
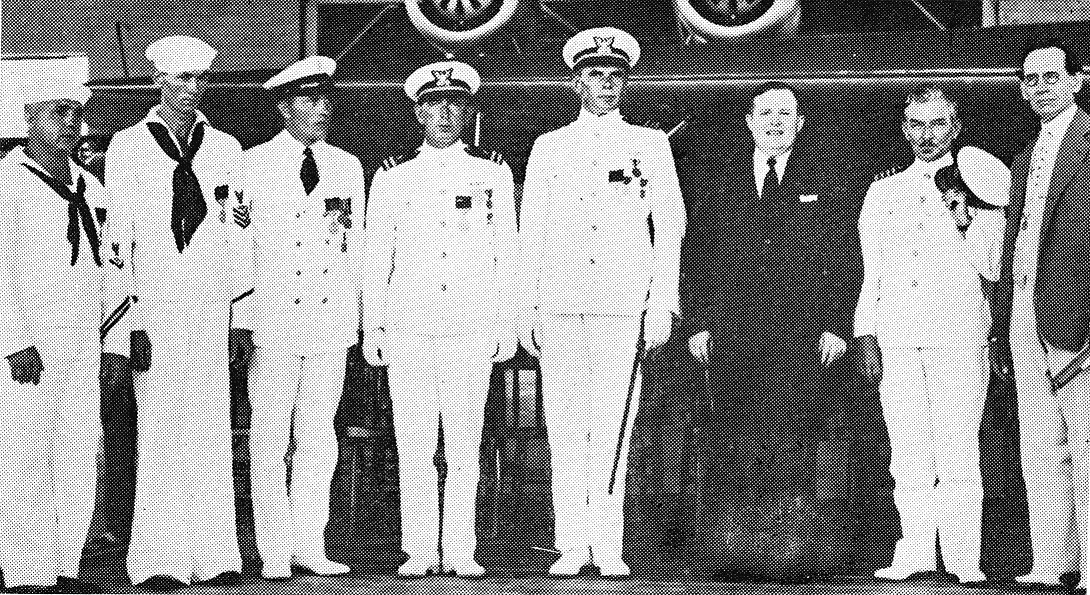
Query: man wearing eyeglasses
[1042, 309]
[167, 180]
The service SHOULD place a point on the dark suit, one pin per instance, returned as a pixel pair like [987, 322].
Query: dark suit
[766, 276]
[1053, 310]
[1063, 266]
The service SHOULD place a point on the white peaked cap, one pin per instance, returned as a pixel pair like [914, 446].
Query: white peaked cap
[985, 175]
[602, 45]
[307, 76]
[442, 77]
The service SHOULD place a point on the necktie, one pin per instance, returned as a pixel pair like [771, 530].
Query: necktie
[187, 208]
[78, 213]
[309, 172]
[771, 183]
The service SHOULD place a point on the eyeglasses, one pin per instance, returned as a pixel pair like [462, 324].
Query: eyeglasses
[1033, 79]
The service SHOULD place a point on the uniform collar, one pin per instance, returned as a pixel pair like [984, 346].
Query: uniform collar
[1058, 126]
[930, 167]
[153, 116]
[18, 154]
[606, 119]
[292, 144]
[456, 147]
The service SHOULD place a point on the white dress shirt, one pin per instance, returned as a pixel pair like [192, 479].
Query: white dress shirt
[441, 244]
[301, 259]
[760, 167]
[590, 188]
[48, 302]
[921, 281]
[139, 182]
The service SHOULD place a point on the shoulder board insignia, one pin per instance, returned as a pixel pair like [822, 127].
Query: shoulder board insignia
[483, 153]
[885, 173]
[396, 160]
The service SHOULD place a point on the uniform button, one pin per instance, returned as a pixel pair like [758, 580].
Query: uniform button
[915, 284]
[768, 241]
[325, 299]
[297, 273]
[297, 215]
[594, 228]
[443, 287]
[444, 254]
[915, 252]
[592, 261]
[296, 300]
[297, 244]
[327, 242]
[922, 200]
[442, 224]
[921, 226]
[325, 272]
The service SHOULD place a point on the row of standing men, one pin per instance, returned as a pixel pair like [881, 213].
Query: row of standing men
[267, 247]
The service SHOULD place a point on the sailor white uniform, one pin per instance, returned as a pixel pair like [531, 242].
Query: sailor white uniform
[922, 299]
[305, 255]
[591, 268]
[439, 269]
[49, 432]
[184, 517]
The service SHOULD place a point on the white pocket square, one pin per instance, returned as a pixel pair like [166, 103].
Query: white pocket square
[808, 198]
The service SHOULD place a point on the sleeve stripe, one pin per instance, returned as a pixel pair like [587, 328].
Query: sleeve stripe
[244, 295]
[114, 318]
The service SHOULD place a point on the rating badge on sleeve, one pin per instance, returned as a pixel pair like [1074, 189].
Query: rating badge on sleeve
[241, 212]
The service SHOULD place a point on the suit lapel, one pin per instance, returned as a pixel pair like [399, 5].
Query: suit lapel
[1071, 153]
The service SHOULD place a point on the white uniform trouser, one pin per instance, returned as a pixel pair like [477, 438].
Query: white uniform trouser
[1054, 432]
[586, 362]
[293, 394]
[49, 436]
[184, 510]
[435, 379]
[933, 402]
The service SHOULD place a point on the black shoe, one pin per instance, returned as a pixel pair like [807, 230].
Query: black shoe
[161, 583]
[67, 584]
[223, 579]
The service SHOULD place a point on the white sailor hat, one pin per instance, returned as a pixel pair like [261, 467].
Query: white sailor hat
[310, 76]
[602, 46]
[442, 78]
[44, 85]
[985, 175]
[180, 53]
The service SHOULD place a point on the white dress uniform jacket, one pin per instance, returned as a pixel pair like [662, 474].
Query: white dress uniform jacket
[49, 432]
[594, 190]
[590, 188]
[440, 248]
[184, 520]
[922, 298]
[303, 256]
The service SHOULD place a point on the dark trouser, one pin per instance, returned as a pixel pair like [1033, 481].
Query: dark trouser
[118, 473]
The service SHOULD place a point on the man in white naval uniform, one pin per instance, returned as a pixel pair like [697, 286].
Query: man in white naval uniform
[1041, 313]
[921, 322]
[51, 302]
[439, 275]
[294, 198]
[592, 272]
[167, 179]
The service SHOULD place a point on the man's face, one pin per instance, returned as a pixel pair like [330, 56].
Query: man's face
[600, 87]
[930, 127]
[775, 121]
[307, 117]
[182, 92]
[1046, 84]
[54, 124]
[444, 119]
